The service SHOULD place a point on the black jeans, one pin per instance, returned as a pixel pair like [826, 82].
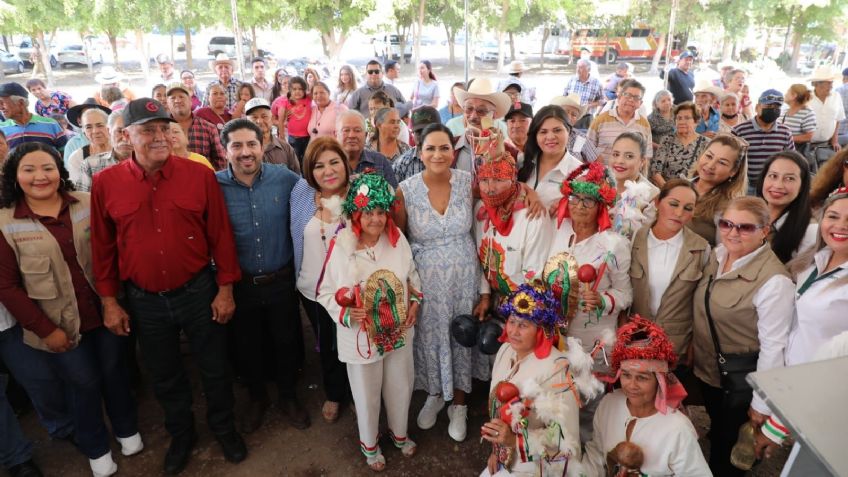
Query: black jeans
[334, 372]
[158, 321]
[299, 145]
[724, 430]
[268, 307]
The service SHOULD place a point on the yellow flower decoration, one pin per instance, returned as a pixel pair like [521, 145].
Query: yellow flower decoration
[524, 303]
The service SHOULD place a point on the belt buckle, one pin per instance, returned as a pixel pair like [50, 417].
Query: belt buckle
[259, 279]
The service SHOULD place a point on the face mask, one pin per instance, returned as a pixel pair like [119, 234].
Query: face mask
[729, 116]
[769, 115]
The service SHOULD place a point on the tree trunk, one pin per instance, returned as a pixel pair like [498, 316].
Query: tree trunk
[113, 42]
[501, 28]
[546, 33]
[511, 47]
[45, 59]
[142, 49]
[253, 47]
[655, 62]
[766, 43]
[726, 50]
[419, 29]
[189, 58]
[86, 48]
[5, 43]
[788, 29]
[796, 52]
[173, 50]
[451, 34]
[332, 45]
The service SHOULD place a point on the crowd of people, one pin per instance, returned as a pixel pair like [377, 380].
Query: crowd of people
[600, 266]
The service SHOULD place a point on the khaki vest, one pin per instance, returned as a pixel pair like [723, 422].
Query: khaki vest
[733, 312]
[675, 313]
[46, 277]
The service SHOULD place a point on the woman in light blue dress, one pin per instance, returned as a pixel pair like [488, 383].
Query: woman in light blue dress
[437, 208]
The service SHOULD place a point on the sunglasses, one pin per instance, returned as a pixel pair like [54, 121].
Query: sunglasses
[373, 72]
[744, 229]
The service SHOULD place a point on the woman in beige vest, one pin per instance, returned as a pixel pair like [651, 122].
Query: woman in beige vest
[719, 175]
[747, 294]
[46, 282]
[666, 262]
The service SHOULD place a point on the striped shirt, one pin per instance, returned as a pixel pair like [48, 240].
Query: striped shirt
[38, 129]
[763, 144]
[803, 121]
[606, 128]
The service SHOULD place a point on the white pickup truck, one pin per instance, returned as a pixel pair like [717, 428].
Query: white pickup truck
[387, 47]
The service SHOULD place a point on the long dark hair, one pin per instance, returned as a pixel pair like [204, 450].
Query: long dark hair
[277, 90]
[10, 191]
[300, 81]
[432, 128]
[798, 213]
[532, 151]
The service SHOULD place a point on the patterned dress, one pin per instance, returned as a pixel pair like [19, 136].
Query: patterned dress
[443, 250]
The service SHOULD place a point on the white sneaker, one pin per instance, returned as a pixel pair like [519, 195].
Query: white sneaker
[458, 425]
[430, 411]
[103, 466]
[131, 445]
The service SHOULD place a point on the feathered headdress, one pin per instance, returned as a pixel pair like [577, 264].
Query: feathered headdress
[593, 180]
[370, 191]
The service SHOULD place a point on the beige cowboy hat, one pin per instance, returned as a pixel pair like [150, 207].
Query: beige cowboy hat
[824, 73]
[572, 100]
[707, 86]
[516, 66]
[221, 59]
[482, 88]
[108, 75]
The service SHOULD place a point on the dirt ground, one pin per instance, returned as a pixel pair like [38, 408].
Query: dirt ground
[322, 450]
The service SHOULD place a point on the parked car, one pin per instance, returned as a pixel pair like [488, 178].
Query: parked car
[227, 45]
[488, 50]
[11, 63]
[76, 54]
[387, 47]
[25, 54]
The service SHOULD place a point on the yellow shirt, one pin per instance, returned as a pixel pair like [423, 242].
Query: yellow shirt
[193, 156]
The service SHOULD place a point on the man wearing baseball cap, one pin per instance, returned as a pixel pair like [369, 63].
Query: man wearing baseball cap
[156, 220]
[21, 125]
[681, 79]
[518, 124]
[409, 163]
[765, 134]
[202, 135]
[258, 111]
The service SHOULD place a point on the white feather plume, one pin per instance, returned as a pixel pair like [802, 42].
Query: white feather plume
[334, 205]
[580, 366]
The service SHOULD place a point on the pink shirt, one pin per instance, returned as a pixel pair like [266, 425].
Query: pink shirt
[324, 123]
[297, 124]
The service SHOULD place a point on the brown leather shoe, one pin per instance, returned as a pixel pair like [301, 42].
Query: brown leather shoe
[253, 416]
[296, 414]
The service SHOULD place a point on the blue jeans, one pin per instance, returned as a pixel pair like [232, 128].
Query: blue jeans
[14, 447]
[33, 371]
[158, 320]
[96, 372]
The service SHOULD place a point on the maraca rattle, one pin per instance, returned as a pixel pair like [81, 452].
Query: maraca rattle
[586, 274]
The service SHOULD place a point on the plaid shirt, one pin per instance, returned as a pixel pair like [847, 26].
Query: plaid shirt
[203, 139]
[232, 93]
[407, 165]
[92, 165]
[589, 91]
[843, 92]
[374, 160]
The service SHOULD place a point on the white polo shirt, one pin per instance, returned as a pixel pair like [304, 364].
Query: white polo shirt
[827, 115]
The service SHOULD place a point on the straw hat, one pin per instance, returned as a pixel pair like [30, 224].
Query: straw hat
[573, 100]
[823, 73]
[706, 86]
[482, 88]
[108, 75]
[221, 59]
[517, 67]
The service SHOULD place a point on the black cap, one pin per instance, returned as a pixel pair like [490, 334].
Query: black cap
[74, 114]
[13, 89]
[519, 108]
[512, 84]
[425, 116]
[142, 110]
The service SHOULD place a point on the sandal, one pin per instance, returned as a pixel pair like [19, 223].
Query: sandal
[376, 463]
[405, 444]
[330, 411]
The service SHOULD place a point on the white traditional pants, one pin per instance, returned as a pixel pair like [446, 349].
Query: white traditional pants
[392, 377]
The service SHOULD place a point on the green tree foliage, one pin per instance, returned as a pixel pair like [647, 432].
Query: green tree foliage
[333, 19]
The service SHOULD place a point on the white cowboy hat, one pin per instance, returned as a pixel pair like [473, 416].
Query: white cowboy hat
[221, 58]
[516, 66]
[108, 75]
[707, 86]
[482, 88]
[573, 100]
[824, 73]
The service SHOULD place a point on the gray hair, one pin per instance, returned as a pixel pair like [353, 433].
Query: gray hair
[660, 95]
[99, 112]
[348, 114]
[20, 98]
[727, 96]
[582, 62]
[113, 118]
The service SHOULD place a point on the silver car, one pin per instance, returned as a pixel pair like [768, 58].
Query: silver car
[11, 63]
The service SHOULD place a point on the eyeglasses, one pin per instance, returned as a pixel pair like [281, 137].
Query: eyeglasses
[586, 202]
[634, 97]
[479, 111]
[744, 229]
[373, 72]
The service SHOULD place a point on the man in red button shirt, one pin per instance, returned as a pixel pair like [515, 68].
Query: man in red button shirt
[157, 221]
